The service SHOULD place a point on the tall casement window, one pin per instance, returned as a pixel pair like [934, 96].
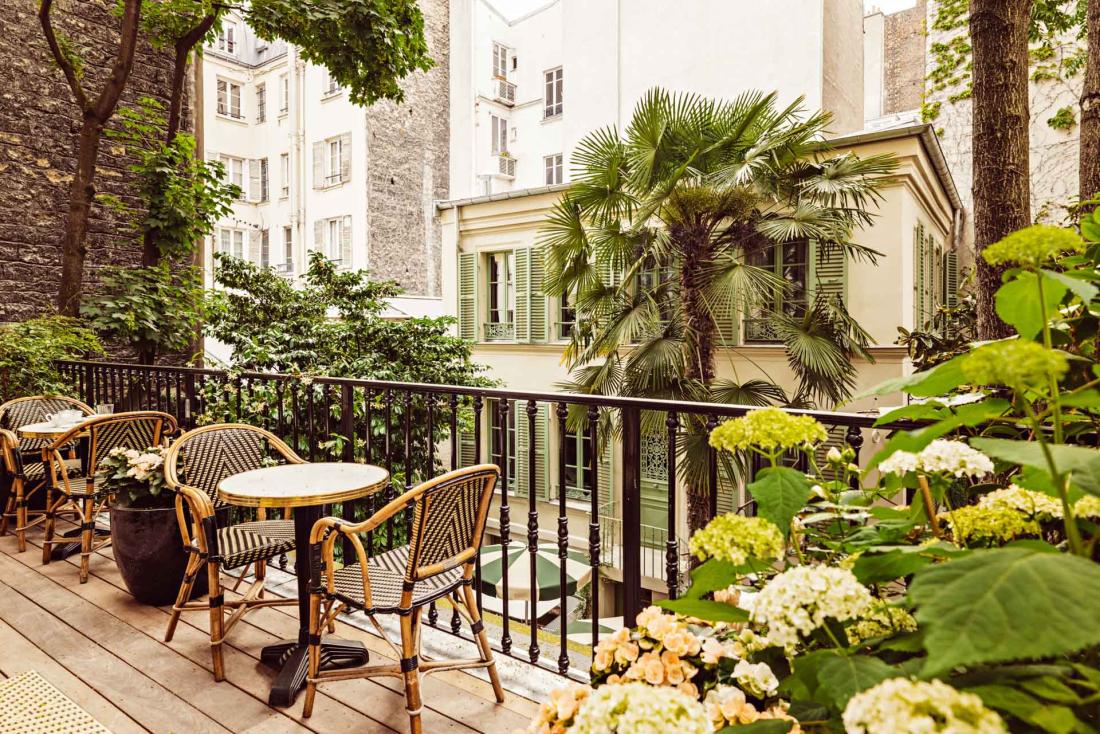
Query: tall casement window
[935, 276]
[284, 94]
[265, 249]
[502, 296]
[578, 466]
[227, 38]
[288, 249]
[567, 316]
[229, 99]
[500, 61]
[332, 239]
[553, 169]
[234, 171]
[552, 96]
[261, 102]
[231, 242]
[656, 281]
[499, 129]
[329, 86]
[258, 180]
[500, 431]
[332, 161]
[284, 175]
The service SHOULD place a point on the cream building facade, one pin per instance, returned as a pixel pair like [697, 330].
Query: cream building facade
[520, 333]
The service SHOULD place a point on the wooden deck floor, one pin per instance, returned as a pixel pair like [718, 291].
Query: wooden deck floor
[106, 652]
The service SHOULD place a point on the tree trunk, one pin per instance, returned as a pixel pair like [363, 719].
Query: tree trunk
[698, 346]
[1089, 169]
[1001, 118]
[74, 246]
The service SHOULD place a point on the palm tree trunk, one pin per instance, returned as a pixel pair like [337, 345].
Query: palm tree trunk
[1089, 170]
[698, 345]
[1001, 119]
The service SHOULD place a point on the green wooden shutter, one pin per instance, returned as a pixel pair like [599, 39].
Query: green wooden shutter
[727, 494]
[829, 271]
[951, 278]
[523, 444]
[466, 445]
[918, 276]
[467, 295]
[537, 307]
[605, 487]
[522, 280]
[835, 440]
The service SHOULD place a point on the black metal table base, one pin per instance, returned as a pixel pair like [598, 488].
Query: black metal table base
[292, 659]
[61, 551]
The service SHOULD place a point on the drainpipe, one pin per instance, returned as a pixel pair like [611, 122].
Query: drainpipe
[299, 151]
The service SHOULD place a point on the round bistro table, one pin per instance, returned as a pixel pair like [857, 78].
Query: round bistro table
[306, 488]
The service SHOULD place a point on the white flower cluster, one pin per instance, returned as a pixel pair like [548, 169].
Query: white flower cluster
[799, 600]
[1022, 500]
[728, 705]
[640, 709]
[928, 707]
[939, 457]
[756, 678]
[141, 464]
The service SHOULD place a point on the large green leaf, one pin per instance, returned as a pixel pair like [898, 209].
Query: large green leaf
[1006, 604]
[780, 492]
[949, 419]
[763, 726]
[876, 568]
[711, 611]
[1082, 461]
[937, 381]
[1082, 289]
[1013, 701]
[843, 676]
[711, 576]
[1018, 302]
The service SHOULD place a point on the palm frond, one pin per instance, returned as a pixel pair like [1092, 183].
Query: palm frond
[750, 392]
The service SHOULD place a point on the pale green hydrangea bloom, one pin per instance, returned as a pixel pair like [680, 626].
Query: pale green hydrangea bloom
[799, 600]
[881, 620]
[1087, 507]
[974, 524]
[1033, 246]
[735, 538]
[928, 707]
[768, 429]
[1016, 364]
[640, 709]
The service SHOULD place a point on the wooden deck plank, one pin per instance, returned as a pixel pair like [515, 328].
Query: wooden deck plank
[448, 693]
[146, 701]
[17, 655]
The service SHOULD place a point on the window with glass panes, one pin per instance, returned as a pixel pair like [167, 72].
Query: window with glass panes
[284, 174]
[500, 61]
[261, 102]
[499, 128]
[502, 292]
[333, 251]
[231, 242]
[578, 465]
[553, 169]
[654, 280]
[229, 98]
[791, 262]
[227, 38]
[496, 427]
[284, 93]
[552, 95]
[234, 171]
[332, 162]
[288, 248]
[567, 315]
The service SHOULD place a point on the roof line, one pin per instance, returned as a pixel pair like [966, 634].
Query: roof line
[502, 196]
[521, 18]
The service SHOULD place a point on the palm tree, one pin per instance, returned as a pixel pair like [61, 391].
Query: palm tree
[662, 240]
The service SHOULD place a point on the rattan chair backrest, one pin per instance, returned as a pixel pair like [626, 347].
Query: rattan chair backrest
[35, 409]
[449, 520]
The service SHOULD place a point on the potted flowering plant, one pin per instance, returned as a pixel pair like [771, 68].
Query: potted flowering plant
[951, 584]
[144, 530]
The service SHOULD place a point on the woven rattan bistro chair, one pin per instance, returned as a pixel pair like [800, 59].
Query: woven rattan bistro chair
[24, 468]
[447, 525]
[79, 494]
[194, 466]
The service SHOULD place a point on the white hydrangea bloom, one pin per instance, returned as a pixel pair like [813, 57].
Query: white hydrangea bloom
[640, 709]
[927, 707]
[939, 457]
[1022, 500]
[798, 601]
[758, 679]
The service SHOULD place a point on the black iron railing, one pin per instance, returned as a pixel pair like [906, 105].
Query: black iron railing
[416, 430]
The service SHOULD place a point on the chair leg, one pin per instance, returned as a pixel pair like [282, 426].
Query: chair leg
[20, 514]
[314, 653]
[8, 513]
[482, 640]
[194, 565]
[47, 540]
[217, 619]
[87, 537]
[410, 662]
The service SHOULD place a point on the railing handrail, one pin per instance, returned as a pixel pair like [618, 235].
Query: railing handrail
[859, 420]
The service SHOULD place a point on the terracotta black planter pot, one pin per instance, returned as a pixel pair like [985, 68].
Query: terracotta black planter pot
[150, 554]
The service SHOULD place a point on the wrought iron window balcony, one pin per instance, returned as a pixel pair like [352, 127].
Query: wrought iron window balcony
[504, 91]
[760, 331]
[499, 331]
[506, 166]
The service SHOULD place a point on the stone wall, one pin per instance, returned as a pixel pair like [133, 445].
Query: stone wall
[903, 42]
[38, 127]
[408, 168]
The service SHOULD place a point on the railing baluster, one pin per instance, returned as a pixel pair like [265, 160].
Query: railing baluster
[854, 438]
[712, 470]
[311, 432]
[408, 405]
[477, 405]
[389, 464]
[347, 429]
[672, 549]
[505, 521]
[594, 520]
[456, 621]
[429, 400]
[533, 526]
[563, 539]
[368, 455]
[632, 514]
